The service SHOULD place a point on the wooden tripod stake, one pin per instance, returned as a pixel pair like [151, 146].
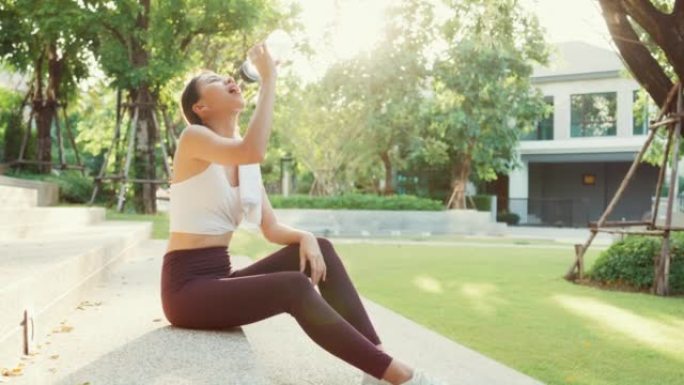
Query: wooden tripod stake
[63, 165]
[123, 178]
[661, 286]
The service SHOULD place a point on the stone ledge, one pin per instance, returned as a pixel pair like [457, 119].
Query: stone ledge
[48, 192]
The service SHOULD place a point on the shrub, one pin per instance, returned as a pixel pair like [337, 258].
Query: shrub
[508, 217]
[356, 201]
[73, 187]
[482, 202]
[631, 261]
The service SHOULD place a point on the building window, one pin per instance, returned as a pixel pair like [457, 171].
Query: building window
[642, 104]
[544, 127]
[593, 114]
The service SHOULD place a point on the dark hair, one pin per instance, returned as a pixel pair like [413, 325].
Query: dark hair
[190, 96]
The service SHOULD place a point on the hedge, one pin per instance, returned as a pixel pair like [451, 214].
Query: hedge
[631, 261]
[356, 201]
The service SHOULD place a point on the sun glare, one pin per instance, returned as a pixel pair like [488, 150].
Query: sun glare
[653, 333]
[338, 29]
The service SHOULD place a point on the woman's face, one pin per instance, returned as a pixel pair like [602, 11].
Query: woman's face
[219, 95]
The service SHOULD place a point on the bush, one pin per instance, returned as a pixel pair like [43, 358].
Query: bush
[482, 202]
[631, 262]
[73, 187]
[508, 217]
[356, 201]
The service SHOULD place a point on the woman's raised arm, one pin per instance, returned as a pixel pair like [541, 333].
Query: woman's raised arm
[205, 144]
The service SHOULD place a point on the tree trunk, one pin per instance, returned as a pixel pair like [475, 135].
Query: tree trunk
[42, 118]
[460, 175]
[387, 162]
[323, 183]
[144, 162]
[44, 111]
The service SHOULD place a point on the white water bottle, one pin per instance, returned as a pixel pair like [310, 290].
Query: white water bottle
[279, 45]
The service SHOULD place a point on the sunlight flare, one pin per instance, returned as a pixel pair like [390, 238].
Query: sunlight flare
[656, 334]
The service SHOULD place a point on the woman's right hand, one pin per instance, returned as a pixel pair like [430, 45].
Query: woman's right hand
[262, 60]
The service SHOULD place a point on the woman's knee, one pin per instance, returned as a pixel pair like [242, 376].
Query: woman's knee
[330, 256]
[295, 287]
[324, 243]
[296, 281]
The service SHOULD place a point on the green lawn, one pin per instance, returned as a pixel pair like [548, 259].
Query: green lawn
[511, 304]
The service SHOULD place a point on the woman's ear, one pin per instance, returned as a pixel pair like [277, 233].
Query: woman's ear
[199, 108]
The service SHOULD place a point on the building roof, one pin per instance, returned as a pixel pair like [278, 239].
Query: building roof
[574, 60]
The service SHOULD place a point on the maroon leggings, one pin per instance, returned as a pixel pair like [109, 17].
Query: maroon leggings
[199, 290]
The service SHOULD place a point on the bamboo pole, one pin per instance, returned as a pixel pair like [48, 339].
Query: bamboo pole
[60, 140]
[661, 177]
[72, 140]
[157, 130]
[113, 147]
[129, 157]
[663, 268]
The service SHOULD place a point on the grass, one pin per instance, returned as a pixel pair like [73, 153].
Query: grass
[160, 221]
[512, 305]
[475, 239]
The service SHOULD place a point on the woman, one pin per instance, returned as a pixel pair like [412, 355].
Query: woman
[200, 289]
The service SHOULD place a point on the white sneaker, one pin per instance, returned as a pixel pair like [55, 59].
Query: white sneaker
[420, 377]
[370, 380]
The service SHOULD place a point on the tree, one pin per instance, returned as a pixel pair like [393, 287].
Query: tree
[49, 40]
[650, 38]
[483, 96]
[322, 132]
[388, 80]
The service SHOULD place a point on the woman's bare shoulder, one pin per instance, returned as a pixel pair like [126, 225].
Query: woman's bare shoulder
[186, 137]
[193, 129]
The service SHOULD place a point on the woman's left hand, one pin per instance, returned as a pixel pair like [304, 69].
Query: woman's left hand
[310, 250]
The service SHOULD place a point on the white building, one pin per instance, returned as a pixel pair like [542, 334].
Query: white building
[577, 157]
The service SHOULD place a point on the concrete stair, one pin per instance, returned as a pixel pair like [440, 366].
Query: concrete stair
[12, 196]
[50, 257]
[119, 335]
[27, 222]
[27, 192]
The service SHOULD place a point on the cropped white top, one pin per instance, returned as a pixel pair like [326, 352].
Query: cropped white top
[205, 203]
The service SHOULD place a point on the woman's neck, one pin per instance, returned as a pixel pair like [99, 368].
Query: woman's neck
[226, 126]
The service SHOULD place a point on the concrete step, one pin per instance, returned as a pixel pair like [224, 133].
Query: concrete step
[52, 273]
[14, 196]
[120, 336]
[47, 193]
[30, 222]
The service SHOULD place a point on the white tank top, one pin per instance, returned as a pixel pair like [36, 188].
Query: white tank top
[205, 203]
